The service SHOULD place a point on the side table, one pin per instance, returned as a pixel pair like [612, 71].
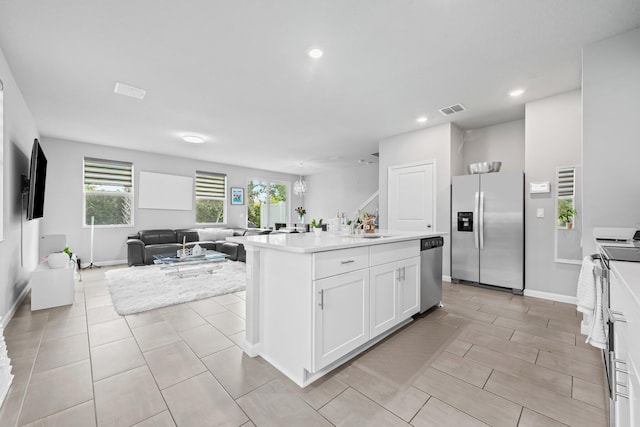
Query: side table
[51, 287]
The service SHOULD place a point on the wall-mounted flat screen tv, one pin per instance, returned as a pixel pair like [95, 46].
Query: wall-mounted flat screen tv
[37, 179]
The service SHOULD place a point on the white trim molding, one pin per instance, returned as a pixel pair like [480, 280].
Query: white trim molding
[550, 296]
[105, 263]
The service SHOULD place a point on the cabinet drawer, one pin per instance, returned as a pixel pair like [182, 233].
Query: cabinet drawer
[330, 263]
[391, 252]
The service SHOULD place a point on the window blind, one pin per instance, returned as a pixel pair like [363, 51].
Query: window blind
[107, 172]
[566, 182]
[211, 185]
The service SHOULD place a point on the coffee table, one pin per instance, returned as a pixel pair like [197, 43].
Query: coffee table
[193, 265]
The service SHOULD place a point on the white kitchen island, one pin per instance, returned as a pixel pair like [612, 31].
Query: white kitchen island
[314, 302]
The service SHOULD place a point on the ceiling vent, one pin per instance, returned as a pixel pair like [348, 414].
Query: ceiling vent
[453, 109]
[126, 90]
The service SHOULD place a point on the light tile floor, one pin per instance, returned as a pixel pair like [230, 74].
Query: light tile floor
[486, 358]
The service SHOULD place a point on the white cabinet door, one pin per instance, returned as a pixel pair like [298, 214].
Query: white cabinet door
[384, 297]
[341, 316]
[634, 393]
[621, 362]
[409, 289]
[395, 293]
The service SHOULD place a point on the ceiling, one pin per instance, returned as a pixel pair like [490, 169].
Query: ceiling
[237, 72]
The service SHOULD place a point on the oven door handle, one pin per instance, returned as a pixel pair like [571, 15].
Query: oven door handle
[617, 384]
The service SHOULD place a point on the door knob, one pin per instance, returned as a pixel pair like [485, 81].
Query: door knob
[428, 225]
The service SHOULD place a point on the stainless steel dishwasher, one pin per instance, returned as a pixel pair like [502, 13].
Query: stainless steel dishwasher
[430, 272]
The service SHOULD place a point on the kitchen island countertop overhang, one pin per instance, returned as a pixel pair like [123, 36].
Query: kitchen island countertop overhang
[310, 242]
[314, 302]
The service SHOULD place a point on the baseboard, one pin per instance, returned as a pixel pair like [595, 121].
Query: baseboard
[550, 296]
[9, 315]
[252, 350]
[446, 278]
[105, 263]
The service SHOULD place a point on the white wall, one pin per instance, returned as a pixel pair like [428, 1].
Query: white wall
[18, 134]
[552, 139]
[503, 142]
[340, 190]
[611, 141]
[63, 209]
[433, 143]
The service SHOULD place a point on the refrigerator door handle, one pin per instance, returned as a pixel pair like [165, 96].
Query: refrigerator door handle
[475, 215]
[481, 220]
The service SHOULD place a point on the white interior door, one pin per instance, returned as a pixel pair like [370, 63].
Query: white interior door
[411, 197]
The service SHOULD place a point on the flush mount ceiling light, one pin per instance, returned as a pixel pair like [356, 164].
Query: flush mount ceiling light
[126, 90]
[516, 92]
[194, 139]
[421, 119]
[315, 53]
[300, 186]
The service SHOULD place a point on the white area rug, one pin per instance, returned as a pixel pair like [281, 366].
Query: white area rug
[136, 289]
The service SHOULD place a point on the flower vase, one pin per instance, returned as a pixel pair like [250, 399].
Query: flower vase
[301, 219]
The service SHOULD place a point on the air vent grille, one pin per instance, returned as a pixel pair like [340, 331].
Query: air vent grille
[453, 109]
[131, 91]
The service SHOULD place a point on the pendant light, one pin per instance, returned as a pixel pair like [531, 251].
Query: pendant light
[300, 186]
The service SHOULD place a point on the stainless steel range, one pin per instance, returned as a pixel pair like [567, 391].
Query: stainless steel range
[622, 253]
[614, 250]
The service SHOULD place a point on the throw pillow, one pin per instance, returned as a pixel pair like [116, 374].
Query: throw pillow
[213, 234]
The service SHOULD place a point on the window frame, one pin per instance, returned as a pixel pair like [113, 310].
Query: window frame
[269, 182]
[224, 198]
[565, 192]
[110, 193]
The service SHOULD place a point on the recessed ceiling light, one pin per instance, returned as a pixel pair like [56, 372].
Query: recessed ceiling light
[516, 92]
[421, 119]
[194, 139]
[315, 53]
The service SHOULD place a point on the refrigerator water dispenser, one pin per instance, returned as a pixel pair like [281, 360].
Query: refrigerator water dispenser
[465, 221]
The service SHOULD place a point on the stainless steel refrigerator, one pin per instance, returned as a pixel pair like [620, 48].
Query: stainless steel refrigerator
[487, 229]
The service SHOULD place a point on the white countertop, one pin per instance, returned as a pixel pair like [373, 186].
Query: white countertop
[327, 241]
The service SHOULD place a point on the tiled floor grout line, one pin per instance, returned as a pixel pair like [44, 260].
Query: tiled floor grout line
[146, 364]
[199, 359]
[421, 407]
[33, 367]
[93, 383]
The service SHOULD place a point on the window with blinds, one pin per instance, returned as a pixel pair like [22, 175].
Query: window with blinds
[108, 192]
[566, 182]
[211, 198]
[566, 189]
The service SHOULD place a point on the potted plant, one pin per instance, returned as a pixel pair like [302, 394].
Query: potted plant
[301, 211]
[317, 226]
[565, 216]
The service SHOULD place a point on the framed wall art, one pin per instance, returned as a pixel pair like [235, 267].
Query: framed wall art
[237, 196]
